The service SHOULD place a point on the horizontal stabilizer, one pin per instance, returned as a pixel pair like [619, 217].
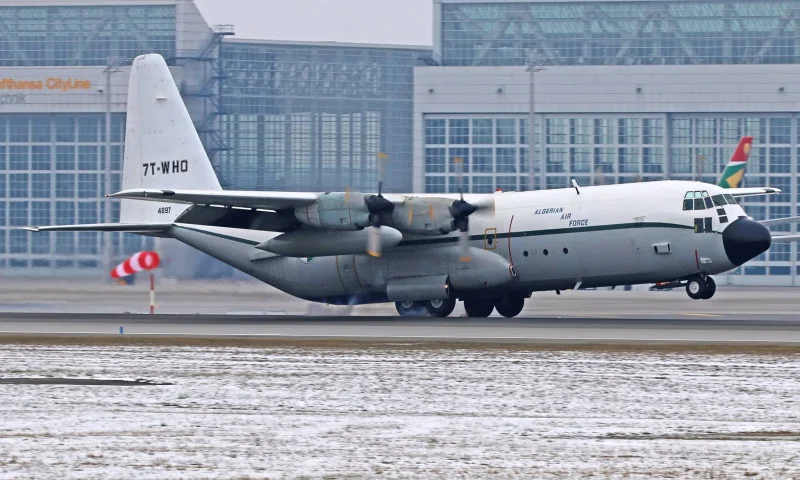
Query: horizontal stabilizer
[750, 192]
[225, 198]
[780, 221]
[785, 238]
[104, 227]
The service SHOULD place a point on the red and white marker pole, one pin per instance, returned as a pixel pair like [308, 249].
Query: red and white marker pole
[140, 262]
[152, 293]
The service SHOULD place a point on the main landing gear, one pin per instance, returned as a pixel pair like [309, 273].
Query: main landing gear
[508, 306]
[427, 308]
[701, 287]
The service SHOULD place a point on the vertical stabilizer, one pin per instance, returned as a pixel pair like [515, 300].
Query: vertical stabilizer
[734, 170]
[162, 148]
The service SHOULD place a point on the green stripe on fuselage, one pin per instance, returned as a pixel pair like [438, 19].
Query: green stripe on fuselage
[454, 239]
[552, 231]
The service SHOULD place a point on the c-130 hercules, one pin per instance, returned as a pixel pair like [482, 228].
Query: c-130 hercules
[490, 251]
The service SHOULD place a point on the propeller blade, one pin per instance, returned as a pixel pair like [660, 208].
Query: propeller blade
[374, 241]
[410, 213]
[463, 245]
[381, 171]
[431, 213]
[460, 176]
[347, 195]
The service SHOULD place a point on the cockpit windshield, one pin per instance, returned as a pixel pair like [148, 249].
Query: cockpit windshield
[701, 200]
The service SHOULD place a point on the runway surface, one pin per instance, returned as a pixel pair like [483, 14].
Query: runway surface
[741, 329]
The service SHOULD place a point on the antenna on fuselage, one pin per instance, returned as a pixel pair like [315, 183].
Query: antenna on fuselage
[575, 186]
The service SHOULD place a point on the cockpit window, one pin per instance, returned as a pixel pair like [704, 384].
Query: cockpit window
[730, 199]
[699, 204]
[719, 200]
[688, 203]
[704, 193]
[709, 203]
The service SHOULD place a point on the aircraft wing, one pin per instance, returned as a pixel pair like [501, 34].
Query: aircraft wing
[779, 221]
[785, 238]
[225, 198]
[750, 192]
[104, 227]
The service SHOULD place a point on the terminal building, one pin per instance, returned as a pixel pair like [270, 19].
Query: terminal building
[273, 115]
[619, 91]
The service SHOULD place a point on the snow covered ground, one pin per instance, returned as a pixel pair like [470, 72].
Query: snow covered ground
[398, 412]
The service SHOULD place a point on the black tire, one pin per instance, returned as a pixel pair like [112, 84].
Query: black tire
[440, 308]
[695, 288]
[510, 306]
[711, 288]
[411, 309]
[480, 308]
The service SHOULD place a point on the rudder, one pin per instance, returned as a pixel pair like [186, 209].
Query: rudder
[162, 148]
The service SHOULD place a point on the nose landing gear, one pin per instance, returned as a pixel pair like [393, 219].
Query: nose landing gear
[701, 287]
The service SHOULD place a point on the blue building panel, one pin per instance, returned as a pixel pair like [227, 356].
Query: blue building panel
[620, 33]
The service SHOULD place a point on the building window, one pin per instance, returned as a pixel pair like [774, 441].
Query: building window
[505, 132]
[459, 132]
[482, 131]
[435, 132]
[506, 160]
[482, 160]
[435, 160]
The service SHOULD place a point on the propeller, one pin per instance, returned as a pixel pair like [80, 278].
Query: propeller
[377, 205]
[461, 210]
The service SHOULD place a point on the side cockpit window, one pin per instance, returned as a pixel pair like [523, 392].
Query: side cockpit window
[719, 200]
[688, 201]
[730, 199]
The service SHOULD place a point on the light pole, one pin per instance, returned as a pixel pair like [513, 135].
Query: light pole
[534, 65]
[109, 70]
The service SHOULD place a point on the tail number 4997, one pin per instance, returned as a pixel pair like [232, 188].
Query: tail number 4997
[166, 167]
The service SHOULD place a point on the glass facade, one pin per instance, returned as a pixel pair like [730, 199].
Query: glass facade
[37, 36]
[597, 150]
[314, 117]
[52, 173]
[620, 33]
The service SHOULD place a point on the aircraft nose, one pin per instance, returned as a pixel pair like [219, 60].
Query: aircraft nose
[745, 239]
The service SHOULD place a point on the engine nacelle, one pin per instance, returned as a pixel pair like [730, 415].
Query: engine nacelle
[423, 216]
[337, 211]
[321, 243]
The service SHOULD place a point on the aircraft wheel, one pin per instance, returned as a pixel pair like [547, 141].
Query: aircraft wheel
[480, 308]
[711, 289]
[409, 308]
[440, 308]
[696, 288]
[510, 305]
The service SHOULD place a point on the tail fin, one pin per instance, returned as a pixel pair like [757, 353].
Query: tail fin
[734, 170]
[162, 148]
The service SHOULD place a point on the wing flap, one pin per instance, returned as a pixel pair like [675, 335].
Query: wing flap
[225, 198]
[104, 227]
[753, 191]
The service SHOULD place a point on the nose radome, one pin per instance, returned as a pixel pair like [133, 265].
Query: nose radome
[745, 239]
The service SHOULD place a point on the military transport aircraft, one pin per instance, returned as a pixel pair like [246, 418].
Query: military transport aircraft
[489, 250]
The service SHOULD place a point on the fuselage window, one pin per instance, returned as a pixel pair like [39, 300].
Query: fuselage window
[719, 200]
